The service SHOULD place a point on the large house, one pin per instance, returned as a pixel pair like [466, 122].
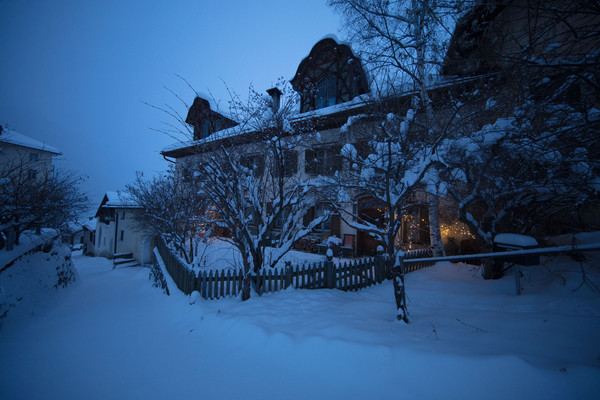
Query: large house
[117, 234]
[333, 87]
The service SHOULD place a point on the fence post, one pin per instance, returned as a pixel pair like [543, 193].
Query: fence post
[399, 290]
[288, 275]
[379, 265]
[329, 270]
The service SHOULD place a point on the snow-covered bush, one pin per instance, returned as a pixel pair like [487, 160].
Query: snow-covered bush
[33, 280]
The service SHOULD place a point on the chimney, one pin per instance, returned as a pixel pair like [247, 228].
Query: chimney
[275, 94]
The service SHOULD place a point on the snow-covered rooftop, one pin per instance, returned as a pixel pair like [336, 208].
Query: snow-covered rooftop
[222, 134]
[12, 137]
[354, 104]
[90, 224]
[118, 200]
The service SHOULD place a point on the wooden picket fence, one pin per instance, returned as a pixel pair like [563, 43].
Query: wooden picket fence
[348, 276]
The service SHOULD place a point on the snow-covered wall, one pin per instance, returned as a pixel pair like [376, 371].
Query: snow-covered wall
[38, 160]
[124, 231]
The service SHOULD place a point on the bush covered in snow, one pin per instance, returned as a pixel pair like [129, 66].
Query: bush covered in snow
[33, 279]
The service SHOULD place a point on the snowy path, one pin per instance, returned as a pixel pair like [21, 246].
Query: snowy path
[115, 336]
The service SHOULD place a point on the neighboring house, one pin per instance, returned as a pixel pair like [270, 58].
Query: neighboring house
[544, 54]
[117, 232]
[26, 158]
[89, 237]
[72, 234]
[18, 150]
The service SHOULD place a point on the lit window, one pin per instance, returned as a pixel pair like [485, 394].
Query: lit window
[326, 92]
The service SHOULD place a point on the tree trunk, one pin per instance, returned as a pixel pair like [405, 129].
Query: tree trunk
[246, 286]
[11, 239]
[435, 234]
[15, 234]
[492, 269]
[399, 289]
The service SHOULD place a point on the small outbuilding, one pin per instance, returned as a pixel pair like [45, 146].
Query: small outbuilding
[118, 234]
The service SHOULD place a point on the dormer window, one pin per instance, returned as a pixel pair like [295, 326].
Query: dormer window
[329, 75]
[204, 120]
[326, 92]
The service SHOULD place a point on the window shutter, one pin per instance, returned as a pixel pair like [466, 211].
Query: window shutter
[291, 162]
[309, 161]
[309, 216]
[335, 224]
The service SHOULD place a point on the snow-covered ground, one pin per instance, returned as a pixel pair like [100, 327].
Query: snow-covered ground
[112, 335]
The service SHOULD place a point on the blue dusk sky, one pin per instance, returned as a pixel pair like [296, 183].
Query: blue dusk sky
[75, 74]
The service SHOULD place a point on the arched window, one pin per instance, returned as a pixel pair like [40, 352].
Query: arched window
[326, 92]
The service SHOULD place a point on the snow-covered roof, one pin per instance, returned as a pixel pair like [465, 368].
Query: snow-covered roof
[219, 135]
[356, 102]
[350, 106]
[90, 224]
[72, 227]
[118, 200]
[238, 130]
[12, 137]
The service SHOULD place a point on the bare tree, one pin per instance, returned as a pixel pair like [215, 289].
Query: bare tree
[251, 185]
[171, 207]
[35, 199]
[404, 43]
[390, 168]
[530, 162]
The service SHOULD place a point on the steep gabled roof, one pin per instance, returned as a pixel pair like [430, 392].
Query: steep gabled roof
[90, 225]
